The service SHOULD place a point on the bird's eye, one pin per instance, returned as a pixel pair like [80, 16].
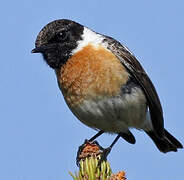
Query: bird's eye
[61, 36]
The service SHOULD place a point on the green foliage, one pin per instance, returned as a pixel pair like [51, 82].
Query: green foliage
[89, 170]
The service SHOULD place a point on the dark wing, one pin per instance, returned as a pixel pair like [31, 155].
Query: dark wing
[135, 69]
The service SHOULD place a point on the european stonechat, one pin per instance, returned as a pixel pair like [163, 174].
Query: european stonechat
[103, 83]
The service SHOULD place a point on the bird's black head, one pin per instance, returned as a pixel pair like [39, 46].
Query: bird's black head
[57, 40]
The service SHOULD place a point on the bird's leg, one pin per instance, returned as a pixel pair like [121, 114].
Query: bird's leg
[106, 151]
[90, 140]
[96, 135]
[100, 150]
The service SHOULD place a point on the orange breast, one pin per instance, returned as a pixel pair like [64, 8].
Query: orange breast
[91, 73]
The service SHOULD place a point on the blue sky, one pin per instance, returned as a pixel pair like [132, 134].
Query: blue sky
[39, 136]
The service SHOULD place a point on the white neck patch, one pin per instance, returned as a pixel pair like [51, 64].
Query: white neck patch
[89, 37]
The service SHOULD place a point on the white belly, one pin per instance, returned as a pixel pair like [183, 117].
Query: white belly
[115, 114]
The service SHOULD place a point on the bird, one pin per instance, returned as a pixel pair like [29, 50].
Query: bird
[103, 83]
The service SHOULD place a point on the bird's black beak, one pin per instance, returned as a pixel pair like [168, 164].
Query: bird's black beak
[37, 50]
[40, 49]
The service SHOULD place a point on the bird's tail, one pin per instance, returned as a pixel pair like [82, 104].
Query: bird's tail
[166, 144]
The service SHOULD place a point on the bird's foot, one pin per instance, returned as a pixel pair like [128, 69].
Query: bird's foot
[89, 149]
[104, 155]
